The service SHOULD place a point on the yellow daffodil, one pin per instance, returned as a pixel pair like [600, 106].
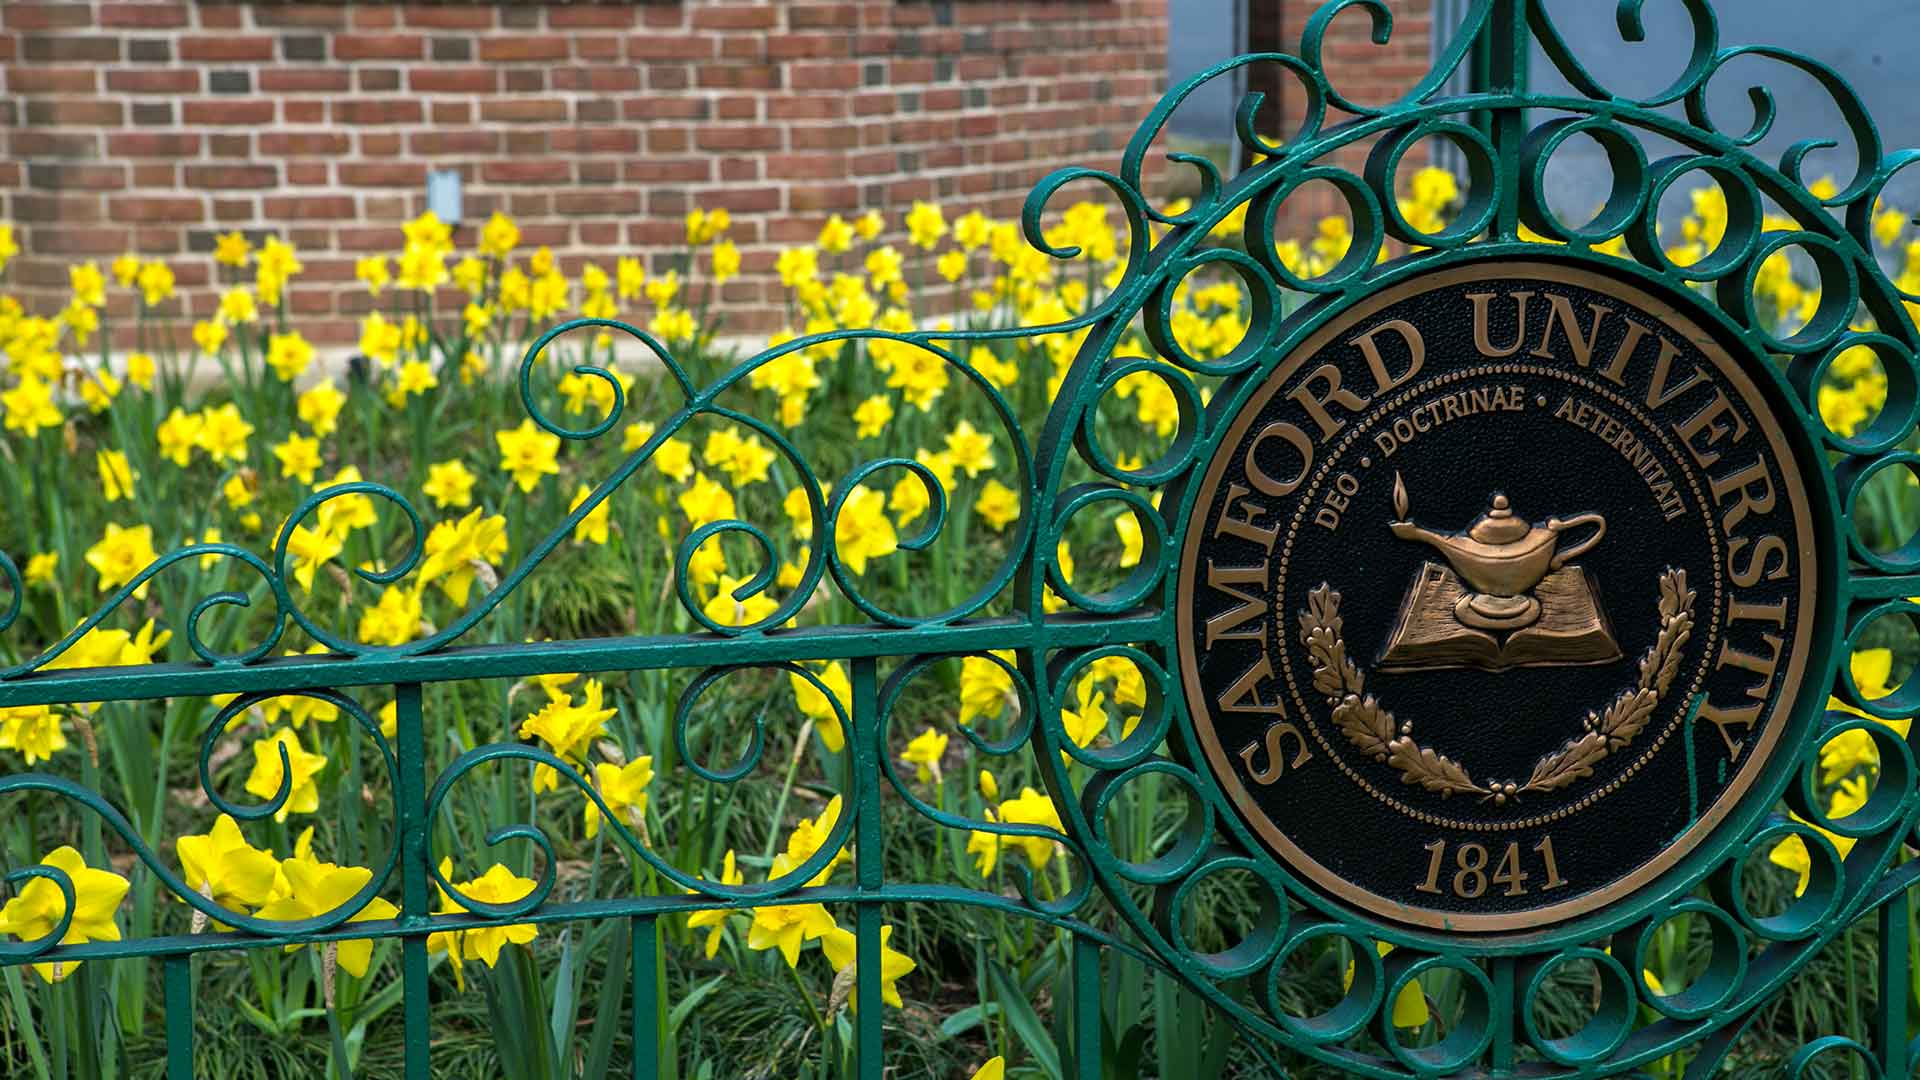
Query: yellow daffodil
[924, 753]
[863, 532]
[528, 453]
[1127, 526]
[179, 436]
[810, 835]
[498, 885]
[1032, 808]
[33, 732]
[310, 549]
[372, 270]
[998, 505]
[994, 1068]
[29, 406]
[836, 235]
[727, 609]
[303, 796]
[319, 407]
[38, 907]
[1410, 1008]
[98, 389]
[872, 416]
[315, 888]
[1089, 720]
[705, 501]
[224, 433]
[1791, 853]
[448, 941]
[1841, 755]
[121, 554]
[116, 475]
[567, 729]
[156, 283]
[449, 484]
[674, 459]
[971, 229]
[415, 377]
[299, 458]
[868, 225]
[951, 265]
[237, 307]
[379, 339]
[499, 236]
[394, 620]
[40, 567]
[814, 704]
[289, 356]
[624, 787]
[787, 927]
[726, 261]
[970, 449]
[89, 284]
[237, 489]
[232, 249]
[209, 335]
[986, 689]
[714, 921]
[925, 225]
[221, 866]
[842, 949]
[984, 847]
[141, 370]
[455, 551]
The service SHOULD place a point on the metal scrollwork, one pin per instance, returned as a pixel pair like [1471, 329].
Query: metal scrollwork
[1057, 629]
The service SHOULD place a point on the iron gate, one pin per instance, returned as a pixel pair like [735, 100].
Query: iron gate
[1445, 888]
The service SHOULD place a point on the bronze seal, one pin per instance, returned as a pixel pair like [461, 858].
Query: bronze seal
[1495, 595]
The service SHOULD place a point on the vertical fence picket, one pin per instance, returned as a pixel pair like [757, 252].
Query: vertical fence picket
[1086, 1008]
[870, 1010]
[869, 744]
[1890, 1018]
[646, 996]
[178, 975]
[410, 738]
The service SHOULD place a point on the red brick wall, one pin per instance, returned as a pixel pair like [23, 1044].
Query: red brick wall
[153, 125]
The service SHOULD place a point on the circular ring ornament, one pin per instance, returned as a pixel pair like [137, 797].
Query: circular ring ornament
[1497, 593]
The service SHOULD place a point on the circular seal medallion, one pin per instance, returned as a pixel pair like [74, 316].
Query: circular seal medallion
[1495, 595]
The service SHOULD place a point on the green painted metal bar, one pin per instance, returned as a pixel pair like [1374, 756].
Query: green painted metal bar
[178, 990]
[868, 1017]
[411, 744]
[1507, 50]
[1891, 1035]
[548, 658]
[1884, 588]
[575, 911]
[416, 1019]
[1503, 1019]
[646, 996]
[870, 869]
[1086, 1009]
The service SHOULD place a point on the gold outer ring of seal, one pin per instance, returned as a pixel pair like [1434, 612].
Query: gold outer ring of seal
[1199, 704]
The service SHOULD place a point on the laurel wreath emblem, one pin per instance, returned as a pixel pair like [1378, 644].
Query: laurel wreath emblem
[1371, 727]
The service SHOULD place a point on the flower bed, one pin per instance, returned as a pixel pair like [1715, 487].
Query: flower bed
[231, 443]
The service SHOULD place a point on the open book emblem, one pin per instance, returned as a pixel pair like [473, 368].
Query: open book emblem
[1507, 595]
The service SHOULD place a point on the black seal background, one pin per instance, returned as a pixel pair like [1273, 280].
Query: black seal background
[1495, 724]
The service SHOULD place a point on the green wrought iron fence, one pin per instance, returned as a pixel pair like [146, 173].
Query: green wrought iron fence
[1506, 214]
